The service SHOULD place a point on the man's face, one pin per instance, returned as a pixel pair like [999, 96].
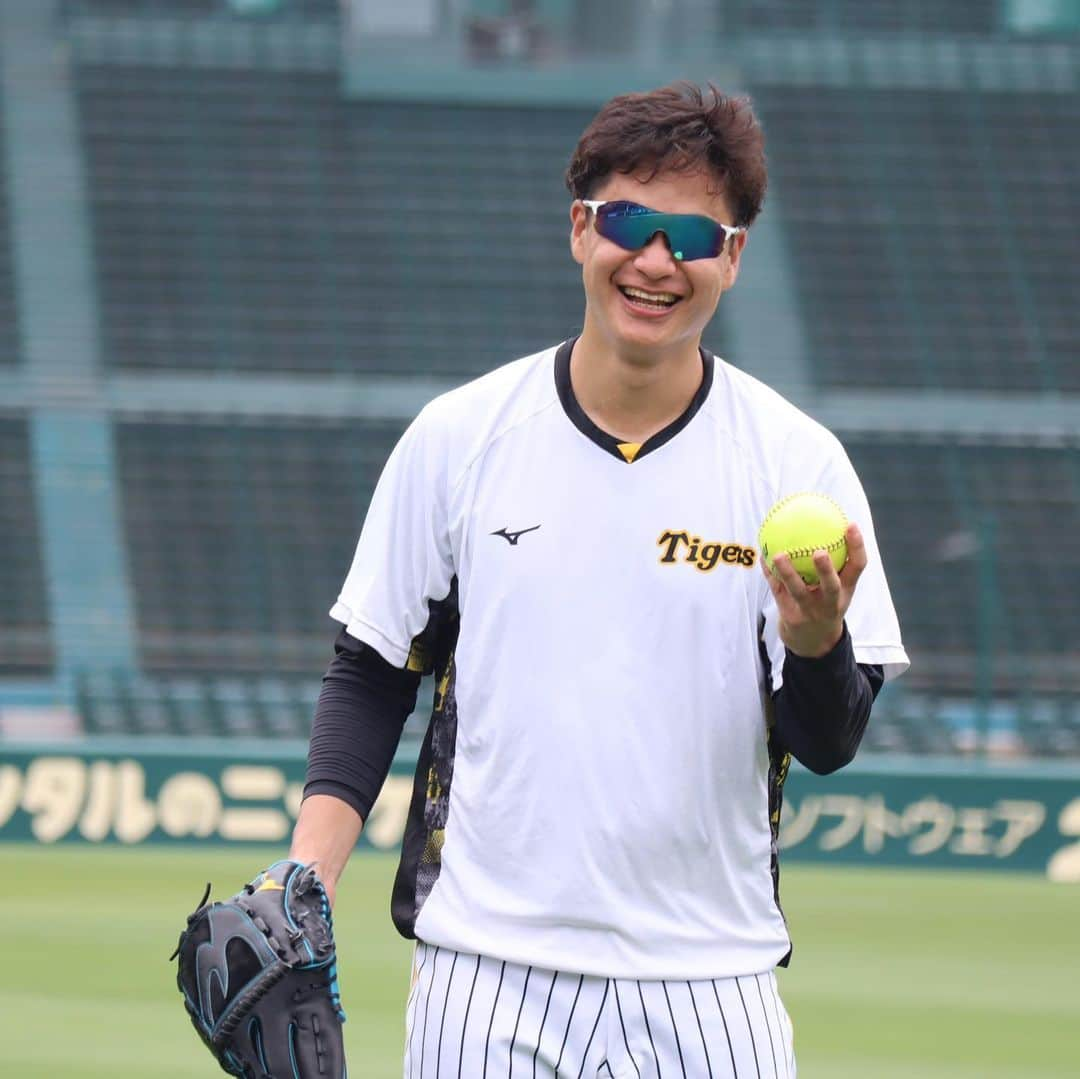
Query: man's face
[647, 304]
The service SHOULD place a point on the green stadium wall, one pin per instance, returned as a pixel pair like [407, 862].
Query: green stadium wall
[915, 812]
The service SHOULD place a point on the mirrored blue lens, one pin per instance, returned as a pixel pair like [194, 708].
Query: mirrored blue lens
[632, 226]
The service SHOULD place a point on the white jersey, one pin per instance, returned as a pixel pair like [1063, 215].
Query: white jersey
[597, 792]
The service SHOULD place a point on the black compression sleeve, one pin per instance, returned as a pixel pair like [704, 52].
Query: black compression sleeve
[362, 708]
[822, 709]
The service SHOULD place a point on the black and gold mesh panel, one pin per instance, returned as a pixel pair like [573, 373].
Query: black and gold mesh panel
[421, 848]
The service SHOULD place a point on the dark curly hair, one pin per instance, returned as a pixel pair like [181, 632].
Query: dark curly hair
[680, 127]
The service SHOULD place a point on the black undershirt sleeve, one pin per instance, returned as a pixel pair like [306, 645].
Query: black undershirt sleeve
[362, 708]
[822, 709]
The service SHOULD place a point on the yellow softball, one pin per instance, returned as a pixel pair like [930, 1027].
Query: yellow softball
[798, 526]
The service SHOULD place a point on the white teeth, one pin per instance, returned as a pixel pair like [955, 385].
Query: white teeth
[649, 297]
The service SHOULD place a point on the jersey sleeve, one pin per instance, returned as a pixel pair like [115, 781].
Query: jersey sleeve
[871, 619]
[403, 560]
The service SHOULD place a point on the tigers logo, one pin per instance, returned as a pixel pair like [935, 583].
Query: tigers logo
[705, 556]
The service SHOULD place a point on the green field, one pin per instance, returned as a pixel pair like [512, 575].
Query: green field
[896, 975]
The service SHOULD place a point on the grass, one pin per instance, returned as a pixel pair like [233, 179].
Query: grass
[932, 974]
[896, 975]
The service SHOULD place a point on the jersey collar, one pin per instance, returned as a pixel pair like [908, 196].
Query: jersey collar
[627, 452]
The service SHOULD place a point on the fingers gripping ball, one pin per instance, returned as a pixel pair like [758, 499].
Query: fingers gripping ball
[258, 973]
[798, 526]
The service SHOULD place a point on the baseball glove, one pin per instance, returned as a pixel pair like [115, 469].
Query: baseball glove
[258, 973]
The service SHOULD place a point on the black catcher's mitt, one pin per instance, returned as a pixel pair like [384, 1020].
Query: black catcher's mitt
[259, 977]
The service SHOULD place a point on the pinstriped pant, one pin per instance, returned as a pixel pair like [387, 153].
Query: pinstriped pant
[471, 1017]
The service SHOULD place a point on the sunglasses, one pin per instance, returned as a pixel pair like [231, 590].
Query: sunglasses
[631, 226]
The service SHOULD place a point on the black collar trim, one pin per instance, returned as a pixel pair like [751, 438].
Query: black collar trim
[609, 442]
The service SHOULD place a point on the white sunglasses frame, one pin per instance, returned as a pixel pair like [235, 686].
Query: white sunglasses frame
[729, 230]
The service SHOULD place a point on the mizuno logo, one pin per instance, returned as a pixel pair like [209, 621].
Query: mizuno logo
[269, 885]
[513, 537]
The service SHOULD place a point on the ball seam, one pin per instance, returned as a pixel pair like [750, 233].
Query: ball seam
[804, 552]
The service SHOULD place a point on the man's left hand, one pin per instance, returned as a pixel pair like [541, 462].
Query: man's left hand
[812, 616]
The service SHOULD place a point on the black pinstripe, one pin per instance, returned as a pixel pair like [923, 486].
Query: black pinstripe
[592, 1034]
[749, 1027]
[494, 1005]
[543, 1021]
[569, 1020]
[517, 1021]
[675, 1028]
[626, 1041]
[727, 1033]
[693, 1004]
[427, 1002]
[648, 1030]
[465, 1021]
[768, 1025]
[442, 1022]
[415, 1006]
[607, 1054]
[780, 1028]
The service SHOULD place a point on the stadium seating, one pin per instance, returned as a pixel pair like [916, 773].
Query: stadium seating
[954, 522]
[250, 219]
[931, 234]
[854, 16]
[9, 319]
[24, 618]
[197, 706]
[1050, 726]
[239, 536]
[261, 9]
[213, 705]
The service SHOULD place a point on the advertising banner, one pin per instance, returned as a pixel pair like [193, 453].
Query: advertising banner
[931, 813]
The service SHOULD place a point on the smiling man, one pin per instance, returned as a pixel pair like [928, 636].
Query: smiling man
[569, 544]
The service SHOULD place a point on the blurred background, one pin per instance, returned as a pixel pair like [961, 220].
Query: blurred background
[242, 242]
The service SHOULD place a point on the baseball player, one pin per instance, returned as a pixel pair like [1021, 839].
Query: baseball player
[569, 544]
